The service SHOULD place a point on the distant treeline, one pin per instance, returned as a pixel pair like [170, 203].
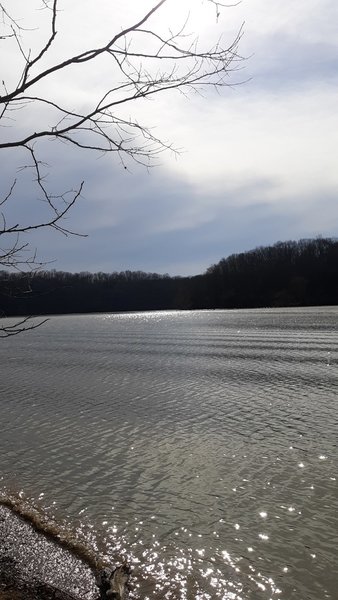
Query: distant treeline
[285, 274]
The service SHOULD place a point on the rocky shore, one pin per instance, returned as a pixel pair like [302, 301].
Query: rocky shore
[14, 586]
[35, 567]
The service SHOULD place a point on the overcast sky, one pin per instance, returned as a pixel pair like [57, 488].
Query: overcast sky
[258, 161]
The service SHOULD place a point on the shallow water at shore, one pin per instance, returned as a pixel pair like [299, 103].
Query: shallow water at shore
[201, 446]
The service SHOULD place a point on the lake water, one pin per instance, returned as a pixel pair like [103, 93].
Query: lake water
[200, 445]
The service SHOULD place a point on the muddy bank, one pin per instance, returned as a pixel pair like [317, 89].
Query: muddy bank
[34, 567]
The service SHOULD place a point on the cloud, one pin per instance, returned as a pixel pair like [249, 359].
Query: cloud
[258, 162]
[282, 62]
[173, 229]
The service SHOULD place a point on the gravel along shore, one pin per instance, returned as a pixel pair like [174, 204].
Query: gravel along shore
[34, 567]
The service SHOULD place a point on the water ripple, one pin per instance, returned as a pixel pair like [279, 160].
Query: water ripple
[201, 445]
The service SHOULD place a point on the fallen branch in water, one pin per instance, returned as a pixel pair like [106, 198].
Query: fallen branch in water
[114, 584]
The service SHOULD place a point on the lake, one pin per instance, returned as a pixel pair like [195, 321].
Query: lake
[200, 445]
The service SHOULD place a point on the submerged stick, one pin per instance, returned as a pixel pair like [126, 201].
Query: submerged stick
[114, 584]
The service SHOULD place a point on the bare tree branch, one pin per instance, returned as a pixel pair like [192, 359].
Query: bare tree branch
[24, 324]
[145, 63]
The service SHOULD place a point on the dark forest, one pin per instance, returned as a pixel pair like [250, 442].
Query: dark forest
[302, 273]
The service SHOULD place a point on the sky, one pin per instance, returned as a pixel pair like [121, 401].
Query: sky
[257, 162]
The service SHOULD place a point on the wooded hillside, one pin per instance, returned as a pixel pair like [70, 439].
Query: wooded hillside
[289, 273]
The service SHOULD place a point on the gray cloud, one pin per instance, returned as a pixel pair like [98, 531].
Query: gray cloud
[282, 60]
[259, 166]
[167, 227]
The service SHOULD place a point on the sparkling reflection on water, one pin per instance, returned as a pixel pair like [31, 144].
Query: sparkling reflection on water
[202, 445]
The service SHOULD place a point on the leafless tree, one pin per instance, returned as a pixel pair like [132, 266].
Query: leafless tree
[144, 63]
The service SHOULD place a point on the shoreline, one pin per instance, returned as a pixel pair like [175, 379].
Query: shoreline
[33, 566]
[36, 563]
